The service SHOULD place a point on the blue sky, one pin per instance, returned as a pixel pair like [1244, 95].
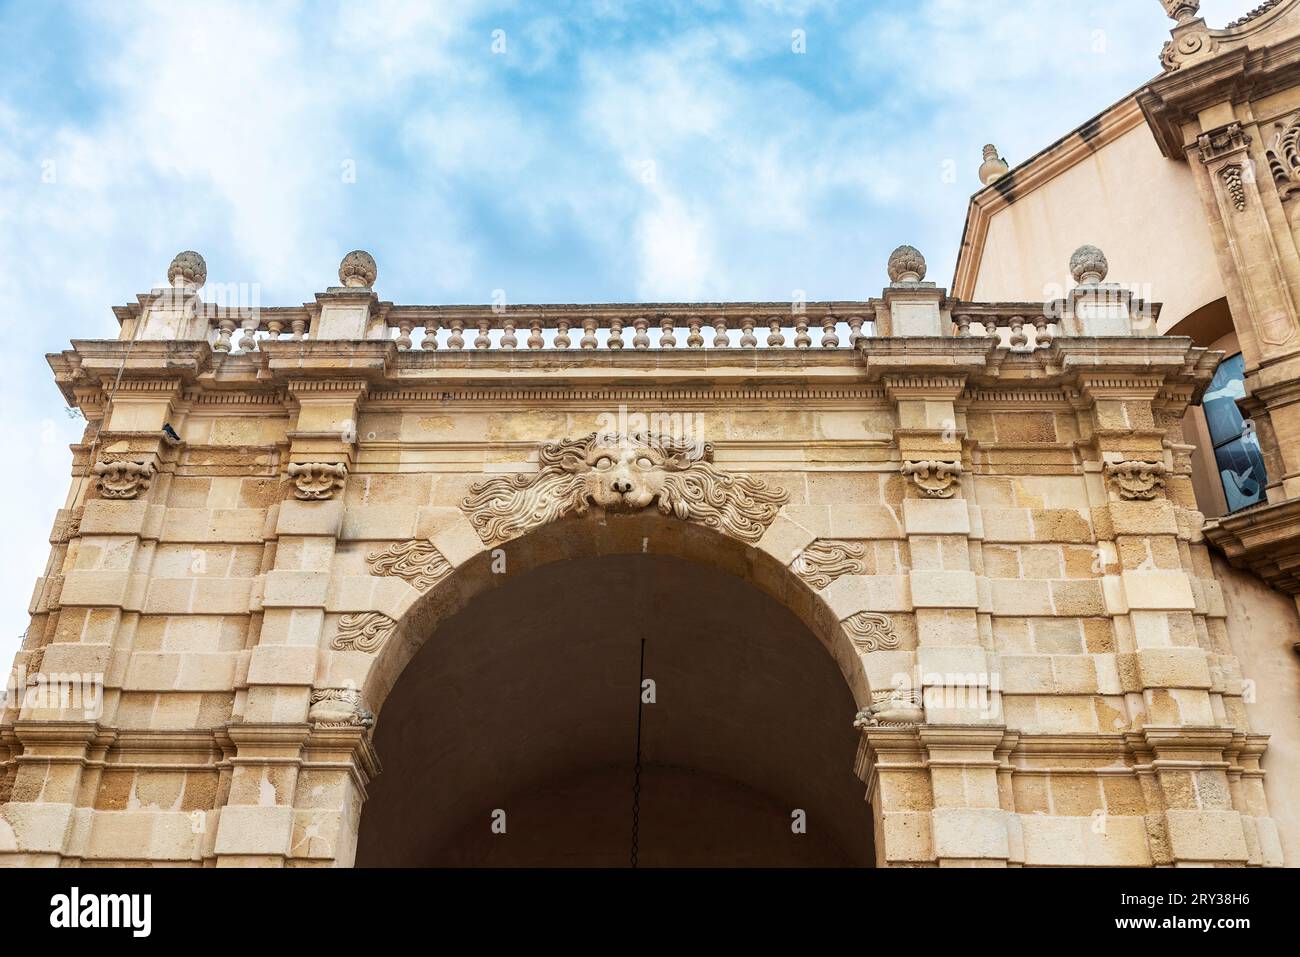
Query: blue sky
[561, 152]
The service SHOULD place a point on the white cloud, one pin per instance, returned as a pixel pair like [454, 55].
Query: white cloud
[222, 127]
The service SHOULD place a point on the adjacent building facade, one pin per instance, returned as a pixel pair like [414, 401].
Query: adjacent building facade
[1000, 575]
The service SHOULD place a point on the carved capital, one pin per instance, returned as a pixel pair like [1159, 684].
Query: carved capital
[623, 473]
[934, 479]
[1224, 141]
[365, 631]
[870, 631]
[339, 708]
[123, 479]
[416, 562]
[1136, 480]
[317, 480]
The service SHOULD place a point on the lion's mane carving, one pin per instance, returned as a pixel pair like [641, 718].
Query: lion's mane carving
[626, 474]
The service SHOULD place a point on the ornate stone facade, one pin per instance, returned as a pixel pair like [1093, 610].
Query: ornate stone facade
[962, 530]
[984, 513]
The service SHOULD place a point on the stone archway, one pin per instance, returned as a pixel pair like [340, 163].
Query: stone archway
[519, 714]
[591, 499]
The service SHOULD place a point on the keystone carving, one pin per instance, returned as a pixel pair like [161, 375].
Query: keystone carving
[823, 561]
[416, 562]
[339, 708]
[123, 479]
[364, 631]
[870, 631]
[1137, 480]
[625, 473]
[317, 480]
[934, 479]
[893, 708]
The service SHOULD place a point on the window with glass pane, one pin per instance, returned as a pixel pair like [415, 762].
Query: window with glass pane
[1236, 449]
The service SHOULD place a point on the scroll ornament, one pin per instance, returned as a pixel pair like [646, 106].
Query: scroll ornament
[339, 708]
[123, 479]
[416, 562]
[823, 561]
[893, 708]
[870, 631]
[314, 481]
[934, 479]
[623, 473]
[1137, 480]
[364, 631]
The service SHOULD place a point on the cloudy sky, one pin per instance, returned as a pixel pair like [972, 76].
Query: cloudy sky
[567, 151]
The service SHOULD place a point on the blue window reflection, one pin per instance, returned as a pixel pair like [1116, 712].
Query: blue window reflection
[1236, 448]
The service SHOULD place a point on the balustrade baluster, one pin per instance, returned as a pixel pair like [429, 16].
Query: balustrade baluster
[963, 326]
[721, 340]
[801, 338]
[829, 339]
[274, 328]
[535, 340]
[225, 328]
[1018, 337]
[666, 338]
[299, 327]
[640, 338]
[1043, 335]
[694, 339]
[562, 340]
[404, 327]
[855, 329]
[482, 341]
[508, 340]
[615, 340]
[456, 340]
[991, 329]
[747, 337]
[589, 325]
[776, 337]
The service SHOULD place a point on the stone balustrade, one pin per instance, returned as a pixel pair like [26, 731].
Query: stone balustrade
[908, 307]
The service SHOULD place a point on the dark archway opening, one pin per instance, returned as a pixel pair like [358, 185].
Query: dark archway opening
[526, 702]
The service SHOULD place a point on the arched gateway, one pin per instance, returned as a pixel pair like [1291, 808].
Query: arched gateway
[918, 581]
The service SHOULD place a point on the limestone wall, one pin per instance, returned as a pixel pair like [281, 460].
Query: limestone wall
[1011, 534]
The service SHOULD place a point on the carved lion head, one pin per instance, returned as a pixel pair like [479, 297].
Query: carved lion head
[623, 473]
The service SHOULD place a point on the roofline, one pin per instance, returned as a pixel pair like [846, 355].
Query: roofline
[1044, 166]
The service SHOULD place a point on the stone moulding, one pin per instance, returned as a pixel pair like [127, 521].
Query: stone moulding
[416, 562]
[314, 481]
[339, 708]
[123, 479]
[870, 631]
[1136, 480]
[364, 631]
[935, 479]
[824, 560]
[892, 708]
[623, 473]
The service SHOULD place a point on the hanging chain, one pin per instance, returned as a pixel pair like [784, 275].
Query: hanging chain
[636, 768]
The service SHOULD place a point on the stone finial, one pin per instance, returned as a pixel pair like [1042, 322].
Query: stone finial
[906, 264]
[1181, 11]
[994, 167]
[188, 270]
[358, 269]
[1088, 265]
